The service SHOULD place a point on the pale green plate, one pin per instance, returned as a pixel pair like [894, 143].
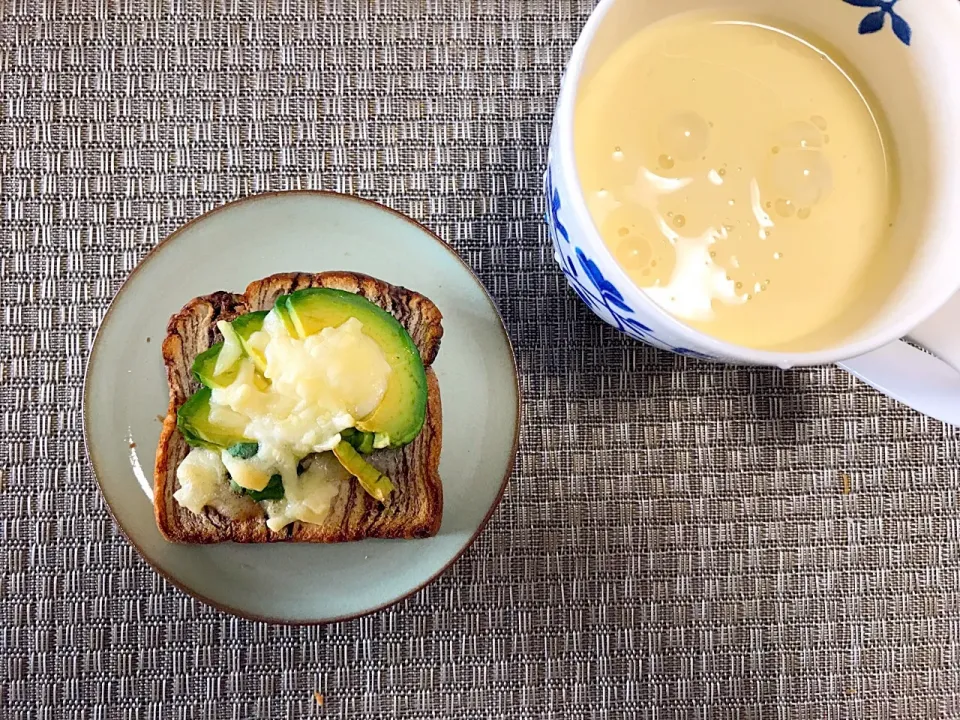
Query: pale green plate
[126, 395]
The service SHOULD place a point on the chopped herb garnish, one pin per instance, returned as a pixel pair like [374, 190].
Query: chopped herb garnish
[244, 450]
[273, 490]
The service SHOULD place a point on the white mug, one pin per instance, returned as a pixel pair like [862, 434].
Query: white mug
[908, 51]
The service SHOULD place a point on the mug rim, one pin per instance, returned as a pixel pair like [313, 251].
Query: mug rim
[721, 349]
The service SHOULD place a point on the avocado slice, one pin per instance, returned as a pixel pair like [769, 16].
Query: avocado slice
[372, 480]
[205, 363]
[193, 421]
[280, 307]
[400, 415]
[245, 326]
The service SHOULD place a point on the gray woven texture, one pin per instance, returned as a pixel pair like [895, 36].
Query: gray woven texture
[679, 539]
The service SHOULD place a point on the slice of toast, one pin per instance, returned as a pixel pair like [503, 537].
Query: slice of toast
[416, 504]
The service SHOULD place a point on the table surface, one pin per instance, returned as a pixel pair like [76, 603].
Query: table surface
[679, 539]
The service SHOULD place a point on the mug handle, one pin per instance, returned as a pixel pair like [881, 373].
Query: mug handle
[927, 383]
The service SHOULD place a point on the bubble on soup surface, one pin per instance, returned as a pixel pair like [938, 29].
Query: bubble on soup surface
[804, 176]
[785, 208]
[801, 135]
[684, 135]
[666, 162]
[634, 253]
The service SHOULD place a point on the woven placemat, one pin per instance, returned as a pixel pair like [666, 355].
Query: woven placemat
[679, 539]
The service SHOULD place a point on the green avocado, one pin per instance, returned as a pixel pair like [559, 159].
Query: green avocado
[205, 363]
[362, 442]
[372, 480]
[400, 415]
[193, 421]
[245, 326]
[280, 306]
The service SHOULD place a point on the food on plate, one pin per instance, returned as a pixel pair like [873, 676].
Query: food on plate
[305, 410]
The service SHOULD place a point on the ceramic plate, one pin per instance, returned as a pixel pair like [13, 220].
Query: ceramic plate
[125, 398]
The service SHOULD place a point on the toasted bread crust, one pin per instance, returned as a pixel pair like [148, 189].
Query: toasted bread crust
[416, 505]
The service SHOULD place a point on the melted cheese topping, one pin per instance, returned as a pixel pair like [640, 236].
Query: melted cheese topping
[315, 387]
[202, 480]
[253, 473]
[310, 496]
[319, 386]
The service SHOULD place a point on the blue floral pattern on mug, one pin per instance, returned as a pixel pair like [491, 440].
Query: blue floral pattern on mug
[587, 280]
[875, 20]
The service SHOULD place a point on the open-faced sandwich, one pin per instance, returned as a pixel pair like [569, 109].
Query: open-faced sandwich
[303, 410]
